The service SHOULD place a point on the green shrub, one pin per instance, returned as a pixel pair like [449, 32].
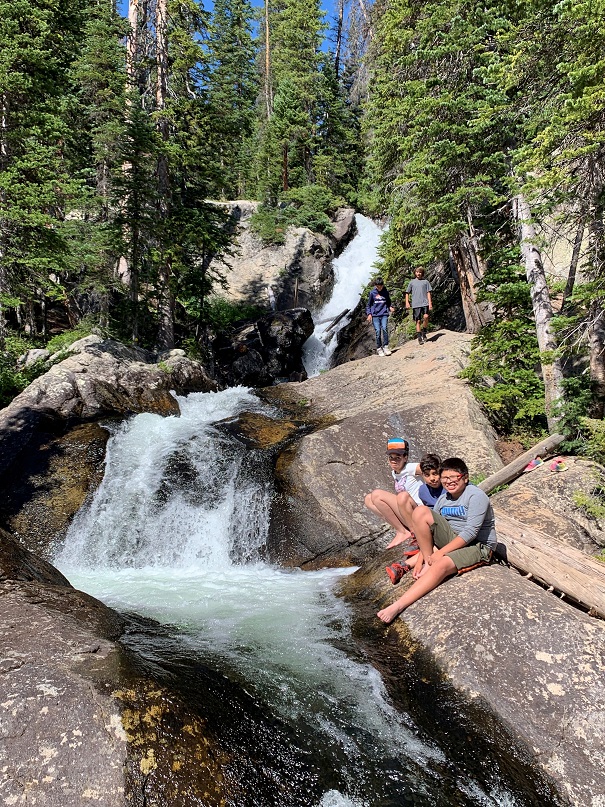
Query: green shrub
[308, 206]
[14, 380]
[63, 340]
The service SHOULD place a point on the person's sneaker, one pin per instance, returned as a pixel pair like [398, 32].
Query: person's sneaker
[386, 350]
[396, 571]
[380, 352]
[424, 335]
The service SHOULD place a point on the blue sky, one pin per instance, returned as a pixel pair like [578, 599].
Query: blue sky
[327, 5]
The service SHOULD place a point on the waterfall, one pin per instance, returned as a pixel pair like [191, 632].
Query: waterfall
[352, 271]
[175, 532]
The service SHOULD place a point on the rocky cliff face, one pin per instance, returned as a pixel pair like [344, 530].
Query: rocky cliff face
[295, 274]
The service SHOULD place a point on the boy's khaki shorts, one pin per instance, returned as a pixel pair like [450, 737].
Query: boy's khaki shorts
[465, 559]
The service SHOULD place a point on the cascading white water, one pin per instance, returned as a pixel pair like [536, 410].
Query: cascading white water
[179, 508]
[352, 271]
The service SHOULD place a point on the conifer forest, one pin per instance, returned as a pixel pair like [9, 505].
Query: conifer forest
[477, 129]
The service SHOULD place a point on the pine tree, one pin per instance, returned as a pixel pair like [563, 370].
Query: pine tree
[231, 95]
[37, 44]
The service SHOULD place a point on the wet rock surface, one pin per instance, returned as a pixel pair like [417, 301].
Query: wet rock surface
[47, 484]
[320, 518]
[530, 659]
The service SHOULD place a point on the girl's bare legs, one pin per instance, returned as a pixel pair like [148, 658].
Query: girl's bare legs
[406, 506]
[433, 575]
[385, 505]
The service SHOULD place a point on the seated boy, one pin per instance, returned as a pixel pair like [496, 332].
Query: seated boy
[428, 494]
[396, 508]
[461, 526]
[432, 488]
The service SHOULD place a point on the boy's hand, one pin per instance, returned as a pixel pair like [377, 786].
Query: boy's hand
[418, 567]
[369, 318]
[435, 556]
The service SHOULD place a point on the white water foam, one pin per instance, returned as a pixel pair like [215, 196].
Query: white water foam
[352, 270]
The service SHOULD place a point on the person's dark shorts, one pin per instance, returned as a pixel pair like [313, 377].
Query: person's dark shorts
[418, 313]
[465, 559]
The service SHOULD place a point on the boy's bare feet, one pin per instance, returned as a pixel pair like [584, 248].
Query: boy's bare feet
[387, 615]
[400, 538]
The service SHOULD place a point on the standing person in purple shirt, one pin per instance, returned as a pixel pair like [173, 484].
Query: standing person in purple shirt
[377, 311]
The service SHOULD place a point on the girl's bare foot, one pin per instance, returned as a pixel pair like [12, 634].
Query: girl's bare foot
[387, 615]
[400, 538]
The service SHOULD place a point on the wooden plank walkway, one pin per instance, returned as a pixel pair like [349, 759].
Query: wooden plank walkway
[566, 569]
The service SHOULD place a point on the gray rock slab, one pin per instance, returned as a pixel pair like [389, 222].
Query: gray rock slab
[548, 501]
[535, 661]
[61, 738]
[320, 517]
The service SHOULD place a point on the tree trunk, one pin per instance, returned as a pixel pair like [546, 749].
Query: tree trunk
[165, 340]
[596, 348]
[552, 372]
[341, 14]
[573, 264]
[470, 269]
[165, 296]
[268, 98]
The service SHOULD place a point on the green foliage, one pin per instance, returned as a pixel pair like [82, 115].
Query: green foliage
[222, 313]
[13, 379]
[308, 206]
[63, 340]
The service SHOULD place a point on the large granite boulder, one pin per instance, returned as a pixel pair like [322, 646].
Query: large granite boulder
[551, 502]
[319, 517]
[295, 273]
[98, 377]
[515, 652]
[265, 351]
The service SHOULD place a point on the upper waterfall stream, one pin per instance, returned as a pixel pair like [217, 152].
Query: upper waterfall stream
[352, 271]
[175, 533]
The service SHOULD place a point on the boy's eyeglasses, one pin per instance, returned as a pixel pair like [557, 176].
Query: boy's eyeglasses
[451, 480]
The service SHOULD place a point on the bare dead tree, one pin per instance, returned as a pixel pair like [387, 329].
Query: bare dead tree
[552, 371]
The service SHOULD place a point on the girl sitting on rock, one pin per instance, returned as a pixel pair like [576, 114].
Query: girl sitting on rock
[397, 508]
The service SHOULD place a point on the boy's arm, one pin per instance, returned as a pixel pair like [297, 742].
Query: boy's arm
[369, 305]
[430, 299]
[407, 300]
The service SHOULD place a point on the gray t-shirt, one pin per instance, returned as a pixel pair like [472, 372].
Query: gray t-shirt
[419, 289]
[470, 515]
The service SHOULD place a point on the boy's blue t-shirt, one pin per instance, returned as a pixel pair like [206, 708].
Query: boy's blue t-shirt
[429, 495]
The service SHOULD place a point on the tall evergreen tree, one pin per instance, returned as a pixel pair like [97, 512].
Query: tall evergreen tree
[232, 90]
[38, 41]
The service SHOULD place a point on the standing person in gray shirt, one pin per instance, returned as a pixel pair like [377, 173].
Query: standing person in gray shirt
[422, 302]
[457, 535]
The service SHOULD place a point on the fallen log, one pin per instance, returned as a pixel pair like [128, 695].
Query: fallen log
[337, 319]
[515, 468]
[568, 570]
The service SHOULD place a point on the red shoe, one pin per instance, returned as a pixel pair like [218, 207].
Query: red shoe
[414, 549]
[396, 571]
